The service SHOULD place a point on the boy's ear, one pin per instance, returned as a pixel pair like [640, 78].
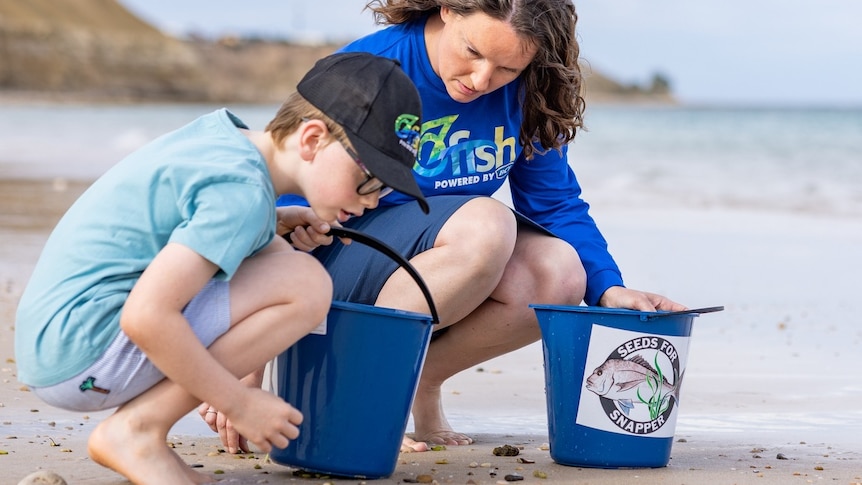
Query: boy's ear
[312, 137]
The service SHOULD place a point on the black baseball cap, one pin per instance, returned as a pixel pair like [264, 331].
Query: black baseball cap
[379, 108]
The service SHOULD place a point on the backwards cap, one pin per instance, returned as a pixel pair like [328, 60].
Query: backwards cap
[379, 108]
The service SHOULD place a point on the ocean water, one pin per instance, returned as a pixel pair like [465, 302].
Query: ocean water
[785, 159]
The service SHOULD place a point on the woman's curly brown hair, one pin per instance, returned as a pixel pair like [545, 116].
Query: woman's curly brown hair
[551, 86]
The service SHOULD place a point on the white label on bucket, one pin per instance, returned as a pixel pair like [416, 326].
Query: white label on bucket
[320, 329]
[631, 382]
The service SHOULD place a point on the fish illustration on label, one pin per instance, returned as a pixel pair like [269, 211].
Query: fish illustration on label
[634, 381]
[634, 384]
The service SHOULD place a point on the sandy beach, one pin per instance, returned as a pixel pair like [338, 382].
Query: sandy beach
[771, 390]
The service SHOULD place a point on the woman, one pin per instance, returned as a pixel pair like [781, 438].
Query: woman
[501, 98]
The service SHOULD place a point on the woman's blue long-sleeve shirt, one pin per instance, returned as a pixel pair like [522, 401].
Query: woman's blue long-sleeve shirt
[471, 148]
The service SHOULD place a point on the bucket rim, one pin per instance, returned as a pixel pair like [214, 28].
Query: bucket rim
[380, 311]
[593, 309]
[692, 312]
[618, 312]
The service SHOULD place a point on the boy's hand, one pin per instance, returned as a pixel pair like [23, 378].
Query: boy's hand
[265, 419]
[308, 237]
[303, 229]
[289, 218]
[218, 422]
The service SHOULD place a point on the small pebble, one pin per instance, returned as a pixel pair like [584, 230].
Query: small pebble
[780, 456]
[513, 477]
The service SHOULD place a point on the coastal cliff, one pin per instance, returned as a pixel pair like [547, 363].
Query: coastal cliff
[96, 50]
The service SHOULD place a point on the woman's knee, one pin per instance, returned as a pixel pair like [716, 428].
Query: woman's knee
[564, 269]
[552, 268]
[486, 227]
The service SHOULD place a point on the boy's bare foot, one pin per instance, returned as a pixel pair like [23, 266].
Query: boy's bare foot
[409, 445]
[139, 453]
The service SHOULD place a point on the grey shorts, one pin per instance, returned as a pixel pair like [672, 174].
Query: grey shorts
[123, 371]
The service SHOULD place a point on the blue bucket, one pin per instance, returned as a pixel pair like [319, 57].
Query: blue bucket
[354, 380]
[612, 380]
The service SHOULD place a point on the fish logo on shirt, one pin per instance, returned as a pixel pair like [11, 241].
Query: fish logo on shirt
[407, 130]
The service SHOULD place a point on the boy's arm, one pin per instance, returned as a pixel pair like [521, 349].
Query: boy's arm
[152, 318]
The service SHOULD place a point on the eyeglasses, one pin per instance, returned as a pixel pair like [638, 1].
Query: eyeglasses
[371, 183]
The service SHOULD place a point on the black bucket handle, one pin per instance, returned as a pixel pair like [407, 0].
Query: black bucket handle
[373, 242]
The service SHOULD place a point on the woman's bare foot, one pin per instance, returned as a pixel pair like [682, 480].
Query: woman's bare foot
[445, 437]
[139, 453]
[430, 422]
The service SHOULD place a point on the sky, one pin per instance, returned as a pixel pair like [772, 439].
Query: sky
[715, 52]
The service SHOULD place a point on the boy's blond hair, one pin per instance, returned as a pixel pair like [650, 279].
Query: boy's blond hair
[293, 112]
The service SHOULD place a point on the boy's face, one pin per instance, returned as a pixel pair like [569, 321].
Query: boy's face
[343, 187]
[371, 183]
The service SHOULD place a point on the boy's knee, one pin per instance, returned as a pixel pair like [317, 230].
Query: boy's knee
[316, 287]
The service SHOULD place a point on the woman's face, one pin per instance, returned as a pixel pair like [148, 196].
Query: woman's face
[476, 54]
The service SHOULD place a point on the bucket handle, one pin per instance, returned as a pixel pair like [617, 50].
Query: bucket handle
[384, 248]
[685, 312]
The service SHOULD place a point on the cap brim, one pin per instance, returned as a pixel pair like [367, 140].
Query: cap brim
[390, 171]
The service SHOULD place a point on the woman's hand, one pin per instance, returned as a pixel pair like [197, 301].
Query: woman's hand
[622, 297]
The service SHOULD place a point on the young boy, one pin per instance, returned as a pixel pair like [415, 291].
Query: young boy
[165, 281]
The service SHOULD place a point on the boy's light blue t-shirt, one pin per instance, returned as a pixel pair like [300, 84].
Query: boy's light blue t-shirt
[205, 186]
